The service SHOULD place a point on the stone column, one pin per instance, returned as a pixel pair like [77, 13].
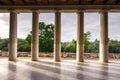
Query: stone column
[13, 36]
[35, 36]
[57, 37]
[103, 37]
[80, 37]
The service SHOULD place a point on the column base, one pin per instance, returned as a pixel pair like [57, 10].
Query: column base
[34, 59]
[80, 60]
[12, 59]
[57, 60]
[104, 61]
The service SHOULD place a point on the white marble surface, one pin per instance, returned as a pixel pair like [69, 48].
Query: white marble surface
[46, 69]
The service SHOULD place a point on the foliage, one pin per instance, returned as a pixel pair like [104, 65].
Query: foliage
[114, 46]
[93, 47]
[86, 41]
[70, 47]
[28, 38]
[46, 42]
[63, 45]
[23, 45]
[46, 37]
[4, 44]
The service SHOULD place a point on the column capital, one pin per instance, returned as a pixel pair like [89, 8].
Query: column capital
[80, 11]
[57, 10]
[102, 11]
[15, 11]
[37, 11]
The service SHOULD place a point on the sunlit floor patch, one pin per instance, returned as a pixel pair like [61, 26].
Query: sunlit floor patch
[46, 69]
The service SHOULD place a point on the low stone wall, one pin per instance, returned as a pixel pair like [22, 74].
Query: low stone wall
[64, 55]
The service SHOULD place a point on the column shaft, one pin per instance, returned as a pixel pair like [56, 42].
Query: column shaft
[80, 37]
[13, 36]
[103, 37]
[35, 36]
[57, 37]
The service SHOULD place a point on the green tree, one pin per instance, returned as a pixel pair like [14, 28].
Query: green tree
[86, 41]
[23, 45]
[71, 47]
[114, 46]
[4, 44]
[46, 37]
[93, 47]
[63, 45]
[28, 38]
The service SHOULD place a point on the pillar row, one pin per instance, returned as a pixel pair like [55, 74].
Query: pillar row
[80, 37]
[103, 37]
[13, 36]
[57, 37]
[35, 36]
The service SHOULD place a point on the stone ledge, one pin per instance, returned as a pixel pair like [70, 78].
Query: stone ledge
[64, 55]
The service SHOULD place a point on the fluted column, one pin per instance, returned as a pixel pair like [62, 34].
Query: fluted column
[80, 37]
[13, 36]
[103, 37]
[57, 37]
[35, 35]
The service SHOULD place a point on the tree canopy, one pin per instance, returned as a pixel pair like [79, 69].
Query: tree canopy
[46, 37]
[71, 46]
[46, 42]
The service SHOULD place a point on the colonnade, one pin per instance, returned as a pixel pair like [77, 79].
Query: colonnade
[103, 55]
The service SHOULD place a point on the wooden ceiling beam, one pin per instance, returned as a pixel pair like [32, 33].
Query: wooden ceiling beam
[57, 2]
[32, 2]
[1, 2]
[44, 2]
[19, 2]
[69, 1]
[117, 2]
[83, 2]
[109, 2]
[7, 2]
[96, 2]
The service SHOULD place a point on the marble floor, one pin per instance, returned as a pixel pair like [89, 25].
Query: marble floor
[46, 69]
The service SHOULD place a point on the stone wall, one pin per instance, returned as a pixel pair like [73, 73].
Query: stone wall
[64, 55]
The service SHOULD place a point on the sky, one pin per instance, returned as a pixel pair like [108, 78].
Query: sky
[68, 25]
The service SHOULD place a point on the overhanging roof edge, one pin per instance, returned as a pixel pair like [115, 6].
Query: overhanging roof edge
[61, 7]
